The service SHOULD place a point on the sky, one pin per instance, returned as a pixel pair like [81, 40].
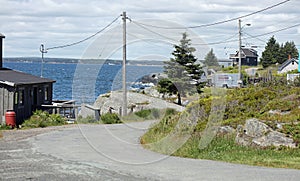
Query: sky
[153, 27]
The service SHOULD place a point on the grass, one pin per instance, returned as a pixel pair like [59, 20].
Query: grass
[87, 120]
[148, 114]
[225, 149]
[241, 104]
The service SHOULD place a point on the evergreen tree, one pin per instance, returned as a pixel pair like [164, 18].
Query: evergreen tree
[182, 70]
[286, 50]
[271, 53]
[211, 59]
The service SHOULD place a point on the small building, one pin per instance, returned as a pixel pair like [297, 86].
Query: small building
[288, 65]
[23, 93]
[249, 57]
[226, 80]
[225, 63]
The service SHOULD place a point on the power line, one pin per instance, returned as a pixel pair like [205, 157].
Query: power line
[154, 32]
[256, 38]
[219, 22]
[251, 36]
[276, 31]
[85, 39]
[228, 40]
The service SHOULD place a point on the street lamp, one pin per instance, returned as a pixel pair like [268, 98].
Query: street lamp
[240, 50]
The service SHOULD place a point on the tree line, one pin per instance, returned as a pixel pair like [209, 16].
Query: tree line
[184, 73]
[275, 53]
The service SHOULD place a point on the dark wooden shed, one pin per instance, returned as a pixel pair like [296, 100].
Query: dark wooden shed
[23, 93]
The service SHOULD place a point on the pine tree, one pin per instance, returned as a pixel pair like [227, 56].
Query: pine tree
[211, 59]
[271, 53]
[286, 50]
[182, 70]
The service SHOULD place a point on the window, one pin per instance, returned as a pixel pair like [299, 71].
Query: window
[21, 97]
[46, 93]
[16, 98]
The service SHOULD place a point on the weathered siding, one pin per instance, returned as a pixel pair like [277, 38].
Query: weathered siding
[7, 100]
[289, 67]
[33, 98]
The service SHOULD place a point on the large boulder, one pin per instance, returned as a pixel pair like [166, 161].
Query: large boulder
[256, 133]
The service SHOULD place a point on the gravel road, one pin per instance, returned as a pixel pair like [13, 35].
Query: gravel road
[112, 152]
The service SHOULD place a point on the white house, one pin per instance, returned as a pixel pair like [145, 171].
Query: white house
[289, 65]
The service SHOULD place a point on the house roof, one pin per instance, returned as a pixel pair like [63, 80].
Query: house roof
[14, 78]
[286, 63]
[249, 52]
[246, 52]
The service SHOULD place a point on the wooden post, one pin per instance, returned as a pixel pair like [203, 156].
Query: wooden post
[124, 109]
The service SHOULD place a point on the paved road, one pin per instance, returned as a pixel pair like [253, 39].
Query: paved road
[116, 149]
[19, 160]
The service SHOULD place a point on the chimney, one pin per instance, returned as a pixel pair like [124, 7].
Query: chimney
[1, 50]
[290, 57]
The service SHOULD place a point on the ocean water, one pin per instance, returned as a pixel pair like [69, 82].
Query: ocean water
[84, 82]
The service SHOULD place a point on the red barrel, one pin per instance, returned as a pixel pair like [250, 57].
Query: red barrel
[10, 118]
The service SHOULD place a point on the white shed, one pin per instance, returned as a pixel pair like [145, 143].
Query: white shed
[289, 65]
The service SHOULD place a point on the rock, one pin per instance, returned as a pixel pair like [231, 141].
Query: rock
[89, 111]
[279, 112]
[255, 128]
[136, 102]
[256, 133]
[274, 138]
[224, 130]
[151, 91]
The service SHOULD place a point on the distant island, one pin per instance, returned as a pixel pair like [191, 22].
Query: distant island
[84, 61]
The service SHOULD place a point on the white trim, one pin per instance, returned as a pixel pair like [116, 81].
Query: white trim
[7, 83]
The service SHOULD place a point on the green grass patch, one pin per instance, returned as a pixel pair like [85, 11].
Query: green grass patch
[225, 149]
[87, 120]
[4, 127]
[148, 114]
[241, 104]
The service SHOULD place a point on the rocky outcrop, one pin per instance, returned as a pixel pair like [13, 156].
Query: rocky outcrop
[136, 102]
[225, 130]
[256, 133]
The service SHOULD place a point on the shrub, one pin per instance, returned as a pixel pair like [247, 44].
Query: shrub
[297, 81]
[4, 127]
[143, 113]
[170, 111]
[110, 118]
[86, 120]
[155, 113]
[43, 119]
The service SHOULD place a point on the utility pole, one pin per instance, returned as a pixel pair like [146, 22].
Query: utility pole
[124, 107]
[240, 53]
[42, 50]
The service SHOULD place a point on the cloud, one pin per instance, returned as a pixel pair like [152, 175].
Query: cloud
[27, 23]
